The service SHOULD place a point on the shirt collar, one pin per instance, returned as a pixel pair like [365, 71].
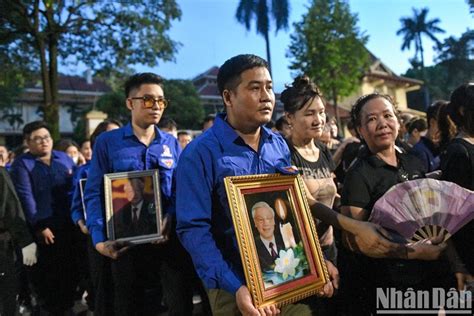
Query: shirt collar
[128, 132]
[226, 135]
[376, 161]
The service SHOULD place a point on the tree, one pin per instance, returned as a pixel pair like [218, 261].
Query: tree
[413, 28]
[328, 47]
[471, 6]
[455, 66]
[185, 106]
[262, 11]
[101, 34]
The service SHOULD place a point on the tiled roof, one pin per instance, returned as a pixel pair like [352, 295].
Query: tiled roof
[209, 89]
[211, 72]
[77, 83]
[394, 78]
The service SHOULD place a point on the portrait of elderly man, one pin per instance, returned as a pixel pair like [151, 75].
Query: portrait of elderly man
[138, 216]
[269, 241]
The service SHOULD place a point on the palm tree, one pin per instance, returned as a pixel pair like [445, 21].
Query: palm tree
[414, 27]
[260, 10]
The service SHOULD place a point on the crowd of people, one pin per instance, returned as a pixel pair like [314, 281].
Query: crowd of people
[54, 234]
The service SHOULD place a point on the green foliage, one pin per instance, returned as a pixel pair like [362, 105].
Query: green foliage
[328, 47]
[413, 28]
[113, 103]
[455, 67]
[262, 12]
[101, 34]
[184, 107]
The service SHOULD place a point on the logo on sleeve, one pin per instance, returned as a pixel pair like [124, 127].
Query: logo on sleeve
[167, 162]
[166, 152]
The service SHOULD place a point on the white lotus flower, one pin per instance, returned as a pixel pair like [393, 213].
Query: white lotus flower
[286, 263]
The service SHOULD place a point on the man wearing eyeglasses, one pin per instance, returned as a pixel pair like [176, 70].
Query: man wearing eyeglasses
[140, 145]
[43, 181]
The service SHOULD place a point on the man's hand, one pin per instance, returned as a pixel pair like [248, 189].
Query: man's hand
[330, 288]
[48, 236]
[463, 279]
[370, 239]
[426, 249]
[112, 249]
[166, 231]
[82, 227]
[29, 254]
[245, 304]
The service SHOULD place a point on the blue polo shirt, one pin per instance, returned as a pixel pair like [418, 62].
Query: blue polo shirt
[44, 191]
[77, 210]
[204, 220]
[120, 151]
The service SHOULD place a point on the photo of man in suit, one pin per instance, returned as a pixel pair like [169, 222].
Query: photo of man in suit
[138, 216]
[269, 241]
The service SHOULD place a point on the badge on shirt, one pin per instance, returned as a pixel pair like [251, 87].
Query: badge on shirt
[166, 151]
[167, 162]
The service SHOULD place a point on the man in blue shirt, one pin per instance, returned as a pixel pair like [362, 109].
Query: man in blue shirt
[43, 180]
[140, 145]
[238, 144]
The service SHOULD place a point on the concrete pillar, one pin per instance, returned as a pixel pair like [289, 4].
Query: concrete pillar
[93, 118]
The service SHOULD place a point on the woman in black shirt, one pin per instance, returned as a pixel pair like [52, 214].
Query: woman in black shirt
[379, 166]
[457, 164]
[305, 111]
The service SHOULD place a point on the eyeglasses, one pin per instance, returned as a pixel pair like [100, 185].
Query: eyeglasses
[149, 102]
[38, 139]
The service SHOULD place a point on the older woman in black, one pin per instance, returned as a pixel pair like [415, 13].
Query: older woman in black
[379, 166]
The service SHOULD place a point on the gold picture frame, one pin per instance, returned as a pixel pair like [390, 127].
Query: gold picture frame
[298, 270]
[133, 206]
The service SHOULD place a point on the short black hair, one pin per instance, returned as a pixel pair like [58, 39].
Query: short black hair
[135, 81]
[419, 124]
[463, 98]
[433, 110]
[299, 93]
[183, 133]
[209, 118]
[280, 122]
[167, 122]
[102, 127]
[29, 128]
[64, 143]
[228, 77]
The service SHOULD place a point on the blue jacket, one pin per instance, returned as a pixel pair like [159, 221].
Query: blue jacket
[44, 191]
[204, 220]
[120, 151]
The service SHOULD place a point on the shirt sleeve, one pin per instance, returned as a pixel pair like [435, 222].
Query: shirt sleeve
[355, 191]
[21, 179]
[12, 217]
[455, 165]
[77, 211]
[93, 195]
[194, 212]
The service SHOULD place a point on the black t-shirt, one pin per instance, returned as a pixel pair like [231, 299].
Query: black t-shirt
[320, 169]
[370, 177]
[457, 163]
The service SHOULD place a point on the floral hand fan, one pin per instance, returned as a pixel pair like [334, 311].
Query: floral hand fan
[424, 208]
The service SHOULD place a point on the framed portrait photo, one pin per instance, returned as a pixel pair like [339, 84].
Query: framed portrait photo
[133, 206]
[278, 243]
